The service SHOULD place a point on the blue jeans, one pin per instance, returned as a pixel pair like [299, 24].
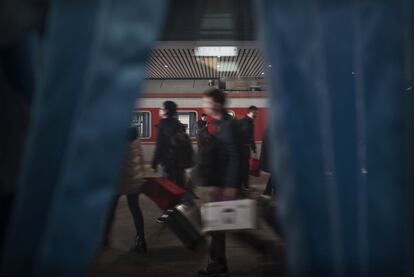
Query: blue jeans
[93, 59]
[342, 133]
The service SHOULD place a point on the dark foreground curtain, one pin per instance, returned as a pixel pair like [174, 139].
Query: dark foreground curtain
[92, 63]
[342, 125]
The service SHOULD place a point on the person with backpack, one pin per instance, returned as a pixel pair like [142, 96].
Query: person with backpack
[249, 148]
[173, 147]
[218, 170]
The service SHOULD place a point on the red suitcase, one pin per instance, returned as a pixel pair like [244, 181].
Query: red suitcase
[163, 192]
[254, 167]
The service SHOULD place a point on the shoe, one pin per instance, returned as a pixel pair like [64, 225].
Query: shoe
[266, 196]
[140, 245]
[214, 270]
[162, 219]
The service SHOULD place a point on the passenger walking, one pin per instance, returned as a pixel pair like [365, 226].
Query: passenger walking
[219, 173]
[168, 127]
[249, 149]
[131, 183]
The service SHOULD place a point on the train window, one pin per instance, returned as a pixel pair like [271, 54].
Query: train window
[189, 119]
[142, 120]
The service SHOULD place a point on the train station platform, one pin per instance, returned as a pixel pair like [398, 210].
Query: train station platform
[258, 253]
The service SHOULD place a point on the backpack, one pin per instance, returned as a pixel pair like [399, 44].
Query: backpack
[181, 153]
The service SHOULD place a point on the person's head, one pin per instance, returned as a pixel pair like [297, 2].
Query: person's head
[204, 116]
[168, 109]
[213, 102]
[252, 112]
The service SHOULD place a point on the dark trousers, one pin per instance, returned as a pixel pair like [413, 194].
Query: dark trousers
[134, 208]
[270, 188]
[136, 212]
[244, 167]
[218, 248]
[217, 251]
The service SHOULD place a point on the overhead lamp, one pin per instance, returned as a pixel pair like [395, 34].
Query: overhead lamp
[216, 51]
[226, 66]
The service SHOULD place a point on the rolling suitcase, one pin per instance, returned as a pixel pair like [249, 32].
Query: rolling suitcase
[163, 192]
[185, 221]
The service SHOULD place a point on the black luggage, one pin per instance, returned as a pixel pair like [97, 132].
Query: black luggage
[185, 221]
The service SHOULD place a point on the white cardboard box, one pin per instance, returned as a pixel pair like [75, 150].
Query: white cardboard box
[229, 215]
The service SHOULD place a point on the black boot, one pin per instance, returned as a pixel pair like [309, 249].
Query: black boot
[140, 245]
[214, 270]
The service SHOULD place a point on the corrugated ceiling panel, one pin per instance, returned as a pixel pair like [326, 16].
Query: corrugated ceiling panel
[170, 63]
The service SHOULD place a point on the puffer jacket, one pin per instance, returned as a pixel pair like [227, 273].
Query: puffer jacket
[133, 171]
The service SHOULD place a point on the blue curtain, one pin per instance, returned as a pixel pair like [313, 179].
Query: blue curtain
[341, 124]
[92, 62]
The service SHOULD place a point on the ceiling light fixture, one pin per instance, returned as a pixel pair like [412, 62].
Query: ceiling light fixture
[223, 66]
[215, 51]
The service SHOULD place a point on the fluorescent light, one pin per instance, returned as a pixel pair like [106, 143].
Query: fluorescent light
[226, 66]
[209, 51]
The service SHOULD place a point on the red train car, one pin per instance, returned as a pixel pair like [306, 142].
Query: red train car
[146, 114]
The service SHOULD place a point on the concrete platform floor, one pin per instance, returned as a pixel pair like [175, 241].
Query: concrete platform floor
[168, 257]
